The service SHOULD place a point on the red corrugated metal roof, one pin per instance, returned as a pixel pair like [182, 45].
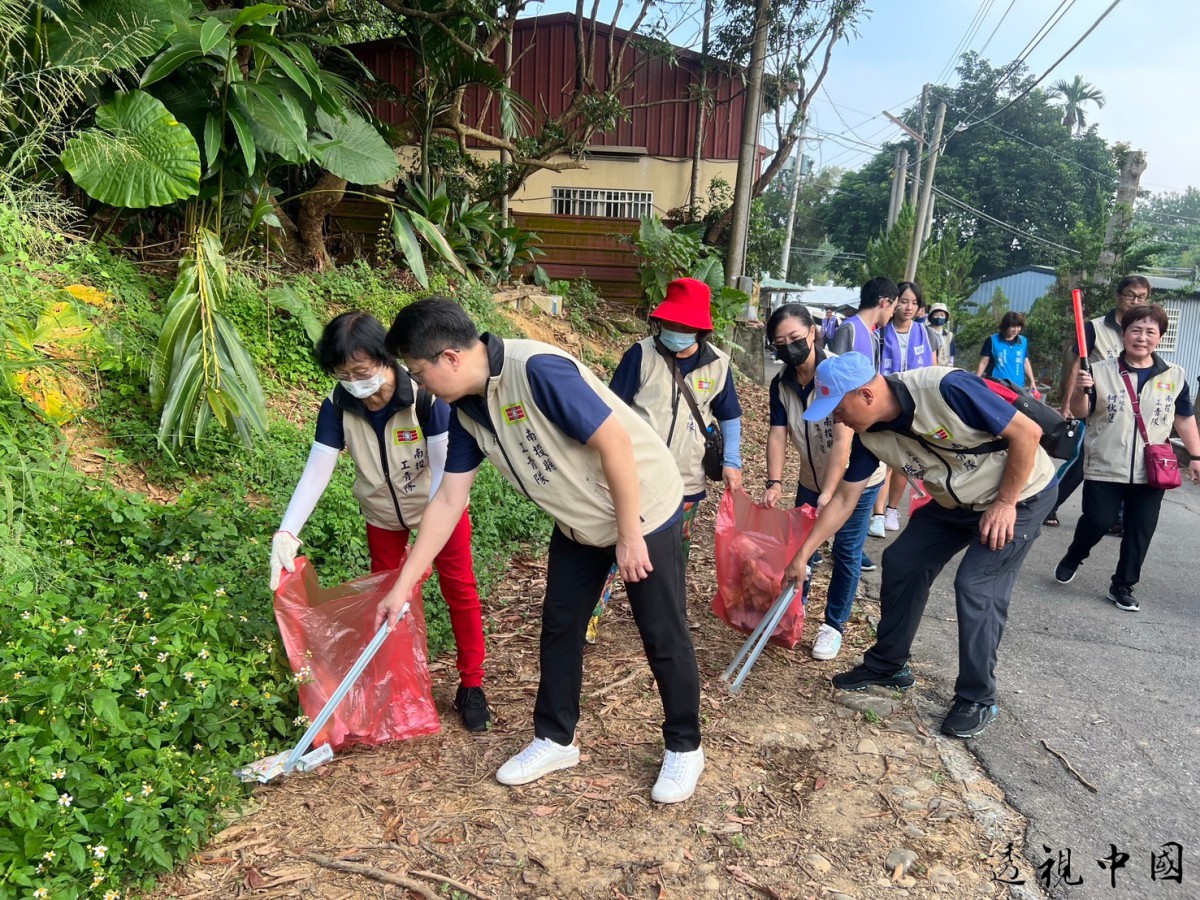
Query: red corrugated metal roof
[545, 75]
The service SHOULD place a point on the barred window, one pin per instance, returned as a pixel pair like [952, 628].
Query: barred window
[1170, 340]
[601, 202]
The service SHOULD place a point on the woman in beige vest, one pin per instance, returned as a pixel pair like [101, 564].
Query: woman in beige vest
[646, 380]
[1114, 466]
[396, 434]
[824, 450]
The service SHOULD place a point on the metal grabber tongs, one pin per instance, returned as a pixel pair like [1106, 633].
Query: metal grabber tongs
[748, 655]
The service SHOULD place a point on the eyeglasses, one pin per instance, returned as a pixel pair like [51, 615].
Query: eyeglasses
[357, 373]
[1135, 298]
[419, 377]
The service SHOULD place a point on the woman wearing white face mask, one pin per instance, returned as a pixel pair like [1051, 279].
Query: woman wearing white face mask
[648, 379]
[396, 433]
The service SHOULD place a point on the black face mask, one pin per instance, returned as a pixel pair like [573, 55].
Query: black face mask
[793, 354]
[937, 320]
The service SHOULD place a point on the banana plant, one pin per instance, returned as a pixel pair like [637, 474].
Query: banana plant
[201, 370]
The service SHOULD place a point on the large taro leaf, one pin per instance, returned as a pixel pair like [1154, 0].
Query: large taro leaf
[351, 148]
[136, 156]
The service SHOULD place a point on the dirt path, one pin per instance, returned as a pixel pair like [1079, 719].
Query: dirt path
[802, 797]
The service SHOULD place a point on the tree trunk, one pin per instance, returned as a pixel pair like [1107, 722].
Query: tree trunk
[1133, 164]
[314, 207]
[286, 236]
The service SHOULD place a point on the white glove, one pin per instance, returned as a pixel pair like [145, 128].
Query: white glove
[283, 555]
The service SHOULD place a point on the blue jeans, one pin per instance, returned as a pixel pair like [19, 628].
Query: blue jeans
[847, 555]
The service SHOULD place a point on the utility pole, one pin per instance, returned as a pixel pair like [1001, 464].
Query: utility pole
[797, 172]
[916, 176]
[505, 156]
[899, 174]
[701, 112]
[918, 236]
[740, 227]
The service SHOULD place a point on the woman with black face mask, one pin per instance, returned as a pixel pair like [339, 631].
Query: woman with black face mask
[824, 450]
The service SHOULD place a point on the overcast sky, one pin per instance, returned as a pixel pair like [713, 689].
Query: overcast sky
[1142, 56]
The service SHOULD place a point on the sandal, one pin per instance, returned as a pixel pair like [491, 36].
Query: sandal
[1051, 520]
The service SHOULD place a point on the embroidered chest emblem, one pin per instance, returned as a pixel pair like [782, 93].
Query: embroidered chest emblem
[514, 413]
[704, 384]
[1164, 385]
[940, 434]
[406, 435]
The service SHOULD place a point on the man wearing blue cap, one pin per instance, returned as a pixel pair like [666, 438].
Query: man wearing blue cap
[992, 485]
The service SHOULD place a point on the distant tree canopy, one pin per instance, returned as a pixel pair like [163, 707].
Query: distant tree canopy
[1022, 167]
[1173, 220]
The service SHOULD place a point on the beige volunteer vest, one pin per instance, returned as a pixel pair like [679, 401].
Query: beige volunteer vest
[1109, 344]
[562, 476]
[932, 452]
[391, 484]
[1112, 447]
[659, 402]
[813, 440]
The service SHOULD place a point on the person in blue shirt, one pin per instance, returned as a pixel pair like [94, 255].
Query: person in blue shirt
[1005, 355]
[991, 485]
[396, 435]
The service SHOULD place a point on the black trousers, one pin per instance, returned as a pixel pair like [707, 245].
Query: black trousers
[1102, 502]
[982, 588]
[575, 576]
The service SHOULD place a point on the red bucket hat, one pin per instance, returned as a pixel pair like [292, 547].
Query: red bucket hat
[687, 303]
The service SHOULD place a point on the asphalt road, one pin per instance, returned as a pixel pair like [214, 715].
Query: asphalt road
[1114, 692]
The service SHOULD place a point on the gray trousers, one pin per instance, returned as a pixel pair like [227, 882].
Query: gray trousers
[982, 588]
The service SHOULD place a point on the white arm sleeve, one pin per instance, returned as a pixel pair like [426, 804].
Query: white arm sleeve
[437, 446]
[317, 472]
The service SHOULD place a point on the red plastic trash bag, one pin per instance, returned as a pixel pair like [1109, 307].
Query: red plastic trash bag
[753, 547]
[326, 629]
[917, 495]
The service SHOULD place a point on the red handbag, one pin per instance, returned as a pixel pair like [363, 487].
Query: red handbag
[1162, 466]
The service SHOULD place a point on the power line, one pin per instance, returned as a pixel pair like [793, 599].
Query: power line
[963, 127]
[1011, 4]
[1013, 228]
[972, 28]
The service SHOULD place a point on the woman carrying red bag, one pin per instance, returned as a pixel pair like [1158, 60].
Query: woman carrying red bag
[1138, 397]
[824, 451]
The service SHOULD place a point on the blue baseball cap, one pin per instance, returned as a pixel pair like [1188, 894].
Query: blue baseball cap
[836, 377]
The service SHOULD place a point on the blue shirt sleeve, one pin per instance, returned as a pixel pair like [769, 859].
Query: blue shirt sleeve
[779, 416]
[330, 430]
[863, 462]
[564, 397]
[462, 452]
[726, 405]
[627, 378]
[1183, 401]
[439, 419]
[974, 403]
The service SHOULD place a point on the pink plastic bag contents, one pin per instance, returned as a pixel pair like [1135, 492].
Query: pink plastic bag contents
[753, 547]
[326, 629]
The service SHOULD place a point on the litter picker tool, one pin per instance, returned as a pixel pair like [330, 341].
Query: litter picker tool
[271, 767]
[748, 655]
[1081, 336]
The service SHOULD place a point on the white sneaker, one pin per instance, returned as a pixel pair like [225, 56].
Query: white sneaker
[828, 643]
[539, 758]
[678, 776]
[875, 527]
[891, 520]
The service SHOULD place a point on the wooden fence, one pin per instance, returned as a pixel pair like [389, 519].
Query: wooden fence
[575, 246]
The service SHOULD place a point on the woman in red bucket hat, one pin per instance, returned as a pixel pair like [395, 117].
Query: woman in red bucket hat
[649, 378]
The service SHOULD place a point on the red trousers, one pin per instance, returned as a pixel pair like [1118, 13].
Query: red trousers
[456, 577]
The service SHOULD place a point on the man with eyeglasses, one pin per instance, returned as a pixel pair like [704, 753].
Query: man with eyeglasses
[565, 440]
[863, 331]
[1103, 337]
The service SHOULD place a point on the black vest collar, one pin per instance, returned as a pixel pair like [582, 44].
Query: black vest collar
[908, 407]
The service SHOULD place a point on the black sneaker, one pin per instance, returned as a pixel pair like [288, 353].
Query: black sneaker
[472, 705]
[967, 719]
[1117, 530]
[1064, 572]
[1122, 595]
[860, 678]
[868, 564]
[816, 559]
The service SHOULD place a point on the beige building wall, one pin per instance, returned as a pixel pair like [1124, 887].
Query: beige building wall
[668, 178]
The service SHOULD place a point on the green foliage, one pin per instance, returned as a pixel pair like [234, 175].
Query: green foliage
[1020, 166]
[972, 326]
[201, 371]
[137, 155]
[944, 269]
[1173, 220]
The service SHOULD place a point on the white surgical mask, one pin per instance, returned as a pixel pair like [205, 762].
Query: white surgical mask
[361, 390]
